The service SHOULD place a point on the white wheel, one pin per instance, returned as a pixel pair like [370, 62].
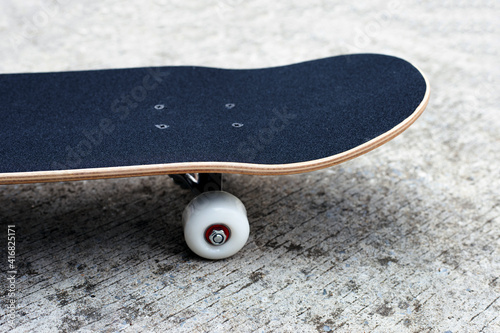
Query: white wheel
[215, 225]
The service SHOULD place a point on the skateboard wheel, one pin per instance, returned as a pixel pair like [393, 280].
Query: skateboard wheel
[215, 225]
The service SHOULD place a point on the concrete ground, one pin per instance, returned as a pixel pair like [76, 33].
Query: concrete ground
[403, 239]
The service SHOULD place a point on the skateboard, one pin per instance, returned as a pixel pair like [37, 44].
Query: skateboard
[196, 123]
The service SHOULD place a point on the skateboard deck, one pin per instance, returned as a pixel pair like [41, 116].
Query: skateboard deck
[169, 120]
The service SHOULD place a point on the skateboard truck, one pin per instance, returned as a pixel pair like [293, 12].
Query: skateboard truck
[199, 182]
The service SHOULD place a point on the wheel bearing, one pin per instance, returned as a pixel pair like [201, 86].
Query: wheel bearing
[217, 234]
